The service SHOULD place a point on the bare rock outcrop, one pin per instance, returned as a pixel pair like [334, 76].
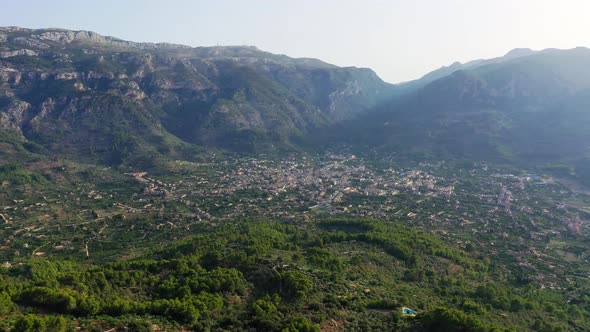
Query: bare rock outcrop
[12, 117]
[10, 54]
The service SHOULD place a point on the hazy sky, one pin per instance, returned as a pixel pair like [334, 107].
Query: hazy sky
[399, 39]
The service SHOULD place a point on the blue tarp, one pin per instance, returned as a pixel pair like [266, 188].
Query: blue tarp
[408, 311]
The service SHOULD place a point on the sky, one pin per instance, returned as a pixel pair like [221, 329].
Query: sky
[400, 39]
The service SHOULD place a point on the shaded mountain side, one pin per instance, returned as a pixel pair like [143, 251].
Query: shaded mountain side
[530, 110]
[88, 96]
[412, 86]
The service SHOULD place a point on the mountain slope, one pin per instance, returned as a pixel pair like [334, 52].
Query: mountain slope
[83, 95]
[531, 109]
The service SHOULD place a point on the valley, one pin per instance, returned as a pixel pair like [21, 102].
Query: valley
[162, 187]
[524, 225]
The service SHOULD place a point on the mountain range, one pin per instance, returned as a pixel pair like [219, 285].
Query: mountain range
[85, 96]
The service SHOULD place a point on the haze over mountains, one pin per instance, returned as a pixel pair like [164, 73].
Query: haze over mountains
[91, 97]
[528, 108]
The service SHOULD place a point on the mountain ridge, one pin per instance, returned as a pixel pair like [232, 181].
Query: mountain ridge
[230, 97]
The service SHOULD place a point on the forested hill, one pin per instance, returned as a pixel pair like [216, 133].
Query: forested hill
[335, 275]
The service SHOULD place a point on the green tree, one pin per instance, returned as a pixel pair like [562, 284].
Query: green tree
[451, 320]
[29, 323]
[56, 324]
[301, 324]
[139, 326]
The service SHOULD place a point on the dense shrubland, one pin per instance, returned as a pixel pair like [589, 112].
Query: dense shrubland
[269, 276]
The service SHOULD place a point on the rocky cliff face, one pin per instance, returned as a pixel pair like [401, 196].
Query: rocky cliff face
[80, 93]
[12, 119]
